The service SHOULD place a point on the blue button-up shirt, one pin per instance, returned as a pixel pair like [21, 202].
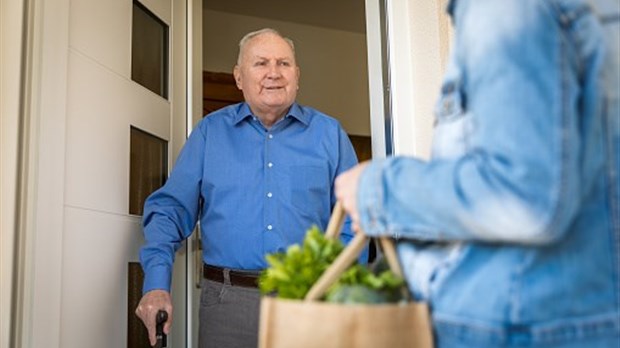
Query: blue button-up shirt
[256, 190]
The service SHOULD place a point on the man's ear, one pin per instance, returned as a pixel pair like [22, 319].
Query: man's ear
[237, 75]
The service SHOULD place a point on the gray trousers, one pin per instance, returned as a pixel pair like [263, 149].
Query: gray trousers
[228, 316]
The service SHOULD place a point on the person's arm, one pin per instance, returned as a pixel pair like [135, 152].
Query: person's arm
[170, 214]
[517, 180]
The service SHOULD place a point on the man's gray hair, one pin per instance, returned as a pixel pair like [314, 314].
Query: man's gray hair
[250, 36]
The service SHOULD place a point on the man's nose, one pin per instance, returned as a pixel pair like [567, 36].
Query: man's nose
[274, 71]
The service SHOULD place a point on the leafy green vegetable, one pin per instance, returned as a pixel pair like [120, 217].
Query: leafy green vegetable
[291, 274]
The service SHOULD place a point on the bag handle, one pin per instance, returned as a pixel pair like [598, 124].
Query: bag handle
[348, 255]
[334, 227]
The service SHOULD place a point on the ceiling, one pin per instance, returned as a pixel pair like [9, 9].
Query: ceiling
[347, 15]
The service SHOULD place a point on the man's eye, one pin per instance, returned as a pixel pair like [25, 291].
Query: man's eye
[261, 63]
[284, 63]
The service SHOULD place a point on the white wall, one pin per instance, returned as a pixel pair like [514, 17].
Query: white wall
[333, 63]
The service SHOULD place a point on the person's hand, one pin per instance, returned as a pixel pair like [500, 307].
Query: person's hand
[149, 305]
[346, 192]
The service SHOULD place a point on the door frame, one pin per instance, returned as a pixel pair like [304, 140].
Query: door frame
[36, 282]
[405, 66]
[194, 103]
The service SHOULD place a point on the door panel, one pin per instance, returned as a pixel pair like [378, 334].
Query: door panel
[102, 106]
[96, 249]
[101, 30]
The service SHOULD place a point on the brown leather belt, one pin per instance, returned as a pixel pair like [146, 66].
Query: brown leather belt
[237, 278]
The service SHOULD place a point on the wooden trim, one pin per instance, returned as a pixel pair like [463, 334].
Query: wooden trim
[219, 90]
[362, 145]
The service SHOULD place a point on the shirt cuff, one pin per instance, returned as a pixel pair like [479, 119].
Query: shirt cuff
[157, 278]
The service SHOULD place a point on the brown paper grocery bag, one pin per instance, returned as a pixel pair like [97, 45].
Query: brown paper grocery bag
[309, 323]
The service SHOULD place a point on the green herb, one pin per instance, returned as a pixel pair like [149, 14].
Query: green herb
[291, 274]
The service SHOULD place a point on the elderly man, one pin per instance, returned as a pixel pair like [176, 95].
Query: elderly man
[257, 175]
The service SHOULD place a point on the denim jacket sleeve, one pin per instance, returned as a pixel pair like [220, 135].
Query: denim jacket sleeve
[505, 165]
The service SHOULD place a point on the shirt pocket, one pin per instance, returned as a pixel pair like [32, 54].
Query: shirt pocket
[310, 189]
[453, 123]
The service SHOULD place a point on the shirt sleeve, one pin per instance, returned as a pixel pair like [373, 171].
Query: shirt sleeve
[170, 214]
[517, 179]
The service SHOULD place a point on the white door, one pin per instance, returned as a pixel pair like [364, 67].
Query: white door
[76, 235]
[103, 102]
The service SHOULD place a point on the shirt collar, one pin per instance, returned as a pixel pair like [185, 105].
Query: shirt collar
[295, 111]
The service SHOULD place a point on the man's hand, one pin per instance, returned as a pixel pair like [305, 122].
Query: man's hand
[346, 192]
[149, 305]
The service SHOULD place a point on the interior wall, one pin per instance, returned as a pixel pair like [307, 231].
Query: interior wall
[333, 63]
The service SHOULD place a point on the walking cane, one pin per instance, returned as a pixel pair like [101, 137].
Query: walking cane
[162, 317]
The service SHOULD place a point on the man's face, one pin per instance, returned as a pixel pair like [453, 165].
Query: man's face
[268, 75]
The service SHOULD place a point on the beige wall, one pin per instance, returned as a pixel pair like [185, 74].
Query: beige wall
[333, 63]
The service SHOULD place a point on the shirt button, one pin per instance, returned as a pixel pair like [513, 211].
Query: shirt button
[270, 136]
[269, 227]
[269, 164]
[269, 194]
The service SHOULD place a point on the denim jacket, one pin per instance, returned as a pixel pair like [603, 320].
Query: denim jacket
[511, 231]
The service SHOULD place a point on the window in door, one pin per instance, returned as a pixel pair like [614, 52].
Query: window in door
[148, 167]
[149, 50]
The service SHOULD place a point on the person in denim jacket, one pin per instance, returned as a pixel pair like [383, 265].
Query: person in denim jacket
[511, 231]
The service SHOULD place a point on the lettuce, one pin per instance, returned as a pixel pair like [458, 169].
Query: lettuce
[291, 274]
